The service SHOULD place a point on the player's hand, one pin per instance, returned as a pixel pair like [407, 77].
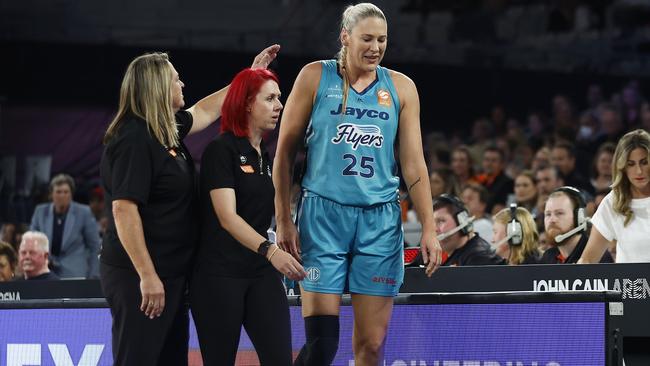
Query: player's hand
[153, 296]
[286, 235]
[431, 253]
[286, 264]
[264, 58]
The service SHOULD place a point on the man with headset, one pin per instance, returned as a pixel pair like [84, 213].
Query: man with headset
[456, 235]
[566, 225]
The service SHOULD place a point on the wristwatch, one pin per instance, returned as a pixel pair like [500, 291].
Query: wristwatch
[263, 249]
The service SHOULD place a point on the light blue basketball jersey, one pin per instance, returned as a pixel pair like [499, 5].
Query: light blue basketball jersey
[350, 156]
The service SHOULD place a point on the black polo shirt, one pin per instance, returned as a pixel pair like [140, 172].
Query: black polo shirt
[476, 252]
[553, 256]
[136, 167]
[232, 162]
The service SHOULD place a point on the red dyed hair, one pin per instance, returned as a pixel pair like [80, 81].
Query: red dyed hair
[243, 89]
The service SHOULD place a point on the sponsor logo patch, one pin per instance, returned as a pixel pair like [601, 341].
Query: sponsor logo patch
[313, 274]
[383, 98]
[247, 169]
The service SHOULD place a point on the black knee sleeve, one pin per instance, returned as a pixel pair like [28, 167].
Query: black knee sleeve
[322, 333]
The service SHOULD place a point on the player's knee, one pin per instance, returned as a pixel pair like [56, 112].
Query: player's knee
[369, 346]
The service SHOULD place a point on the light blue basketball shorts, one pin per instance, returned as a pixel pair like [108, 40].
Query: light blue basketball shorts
[354, 246]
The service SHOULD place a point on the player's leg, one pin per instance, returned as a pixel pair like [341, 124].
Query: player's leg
[375, 275]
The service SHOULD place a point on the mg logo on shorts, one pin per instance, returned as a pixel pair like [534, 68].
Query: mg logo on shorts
[313, 274]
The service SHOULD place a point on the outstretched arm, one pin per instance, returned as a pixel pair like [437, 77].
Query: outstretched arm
[414, 168]
[208, 109]
[292, 129]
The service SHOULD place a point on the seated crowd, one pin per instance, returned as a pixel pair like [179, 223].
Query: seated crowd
[551, 174]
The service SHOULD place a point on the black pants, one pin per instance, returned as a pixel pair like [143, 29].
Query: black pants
[138, 340]
[221, 305]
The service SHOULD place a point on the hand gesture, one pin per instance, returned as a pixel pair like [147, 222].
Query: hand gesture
[431, 253]
[286, 264]
[153, 296]
[286, 235]
[264, 58]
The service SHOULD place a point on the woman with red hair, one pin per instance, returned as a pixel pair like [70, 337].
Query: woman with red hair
[237, 279]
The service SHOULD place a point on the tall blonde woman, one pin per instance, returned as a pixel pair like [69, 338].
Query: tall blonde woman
[516, 244]
[348, 111]
[623, 216]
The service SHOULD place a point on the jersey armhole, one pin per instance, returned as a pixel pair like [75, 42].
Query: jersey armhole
[323, 82]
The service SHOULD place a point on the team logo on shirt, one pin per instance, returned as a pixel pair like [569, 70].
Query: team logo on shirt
[383, 97]
[247, 169]
[242, 159]
[355, 135]
[313, 274]
[334, 92]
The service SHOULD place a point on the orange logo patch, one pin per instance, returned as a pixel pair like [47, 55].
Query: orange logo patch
[247, 169]
[383, 97]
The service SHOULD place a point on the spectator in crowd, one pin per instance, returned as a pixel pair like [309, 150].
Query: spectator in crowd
[510, 166]
[21, 229]
[8, 234]
[594, 97]
[600, 195]
[535, 126]
[437, 158]
[544, 244]
[631, 103]
[462, 165]
[8, 262]
[523, 156]
[517, 240]
[475, 198]
[588, 131]
[622, 216]
[498, 119]
[526, 190]
[457, 237]
[33, 257]
[611, 124]
[71, 229]
[645, 116]
[436, 151]
[541, 158]
[564, 212]
[563, 117]
[443, 181]
[96, 203]
[494, 178]
[481, 138]
[563, 156]
[548, 179]
[602, 167]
